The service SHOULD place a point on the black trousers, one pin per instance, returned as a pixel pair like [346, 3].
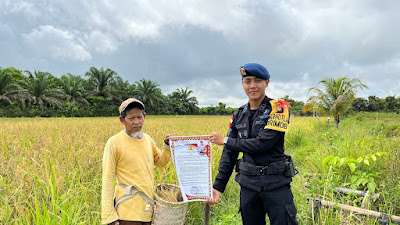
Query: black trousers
[277, 203]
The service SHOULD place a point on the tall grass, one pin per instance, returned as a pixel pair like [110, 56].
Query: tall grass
[358, 136]
[50, 169]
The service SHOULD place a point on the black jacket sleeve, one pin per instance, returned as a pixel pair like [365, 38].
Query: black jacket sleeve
[226, 163]
[264, 142]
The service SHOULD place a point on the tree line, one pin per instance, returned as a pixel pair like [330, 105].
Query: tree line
[100, 91]
[376, 104]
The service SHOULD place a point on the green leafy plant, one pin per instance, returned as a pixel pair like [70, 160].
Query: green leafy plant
[362, 175]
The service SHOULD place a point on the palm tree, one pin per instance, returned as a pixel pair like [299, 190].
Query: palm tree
[40, 88]
[122, 89]
[149, 93]
[337, 97]
[10, 78]
[100, 81]
[73, 87]
[183, 103]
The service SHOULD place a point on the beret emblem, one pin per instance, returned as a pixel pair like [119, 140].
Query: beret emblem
[243, 71]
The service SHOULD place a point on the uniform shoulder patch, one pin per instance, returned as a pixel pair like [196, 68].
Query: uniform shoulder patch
[279, 116]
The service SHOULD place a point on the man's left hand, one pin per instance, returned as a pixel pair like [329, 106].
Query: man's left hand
[166, 139]
[216, 138]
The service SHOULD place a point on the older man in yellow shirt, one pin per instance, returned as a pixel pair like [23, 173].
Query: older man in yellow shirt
[130, 156]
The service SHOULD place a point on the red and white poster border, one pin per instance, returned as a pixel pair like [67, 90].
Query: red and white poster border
[192, 159]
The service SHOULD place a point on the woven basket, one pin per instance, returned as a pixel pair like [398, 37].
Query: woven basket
[167, 212]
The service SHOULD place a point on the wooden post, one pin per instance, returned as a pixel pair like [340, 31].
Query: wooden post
[355, 209]
[207, 214]
[356, 192]
[314, 208]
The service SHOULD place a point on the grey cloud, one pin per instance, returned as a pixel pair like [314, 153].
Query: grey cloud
[19, 7]
[178, 44]
[59, 44]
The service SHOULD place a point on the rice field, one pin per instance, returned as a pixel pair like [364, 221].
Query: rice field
[50, 168]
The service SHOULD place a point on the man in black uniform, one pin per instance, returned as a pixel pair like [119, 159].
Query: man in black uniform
[264, 173]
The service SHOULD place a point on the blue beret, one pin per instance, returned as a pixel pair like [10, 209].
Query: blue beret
[254, 69]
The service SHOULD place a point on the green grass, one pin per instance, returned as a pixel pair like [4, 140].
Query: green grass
[356, 137]
[50, 169]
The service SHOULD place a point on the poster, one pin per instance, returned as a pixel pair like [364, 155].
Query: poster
[191, 156]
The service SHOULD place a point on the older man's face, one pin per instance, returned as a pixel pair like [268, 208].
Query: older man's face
[133, 121]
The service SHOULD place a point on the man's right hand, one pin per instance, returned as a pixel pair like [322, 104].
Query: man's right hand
[215, 198]
[217, 138]
[115, 223]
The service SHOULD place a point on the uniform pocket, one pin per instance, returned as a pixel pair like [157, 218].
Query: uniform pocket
[291, 214]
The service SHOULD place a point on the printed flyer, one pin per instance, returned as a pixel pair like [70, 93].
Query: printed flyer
[192, 159]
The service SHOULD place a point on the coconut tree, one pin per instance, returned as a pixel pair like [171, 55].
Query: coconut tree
[100, 81]
[336, 98]
[183, 103]
[40, 89]
[10, 78]
[149, 93]
[122, 89]
[74, 88]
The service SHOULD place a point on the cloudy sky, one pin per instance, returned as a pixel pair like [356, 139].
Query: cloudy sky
[201, 44]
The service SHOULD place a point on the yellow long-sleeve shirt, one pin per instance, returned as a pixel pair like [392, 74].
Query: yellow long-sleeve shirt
[132, 162]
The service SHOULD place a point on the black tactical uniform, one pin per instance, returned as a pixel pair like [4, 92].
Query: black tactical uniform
[261, 173]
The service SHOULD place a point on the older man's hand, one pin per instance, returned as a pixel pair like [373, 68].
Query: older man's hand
[166, 139]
